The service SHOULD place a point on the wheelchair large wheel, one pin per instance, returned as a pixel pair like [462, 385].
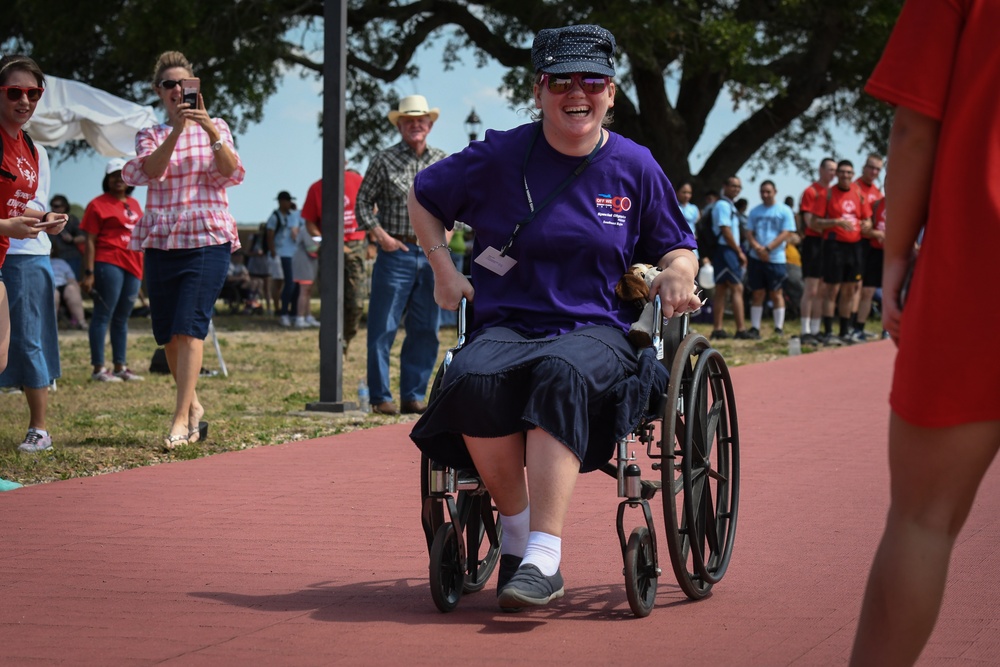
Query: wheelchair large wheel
[700, 470]
[431, 512]
[482, 538]
[482, 529]
[447, 571]
[640, 572]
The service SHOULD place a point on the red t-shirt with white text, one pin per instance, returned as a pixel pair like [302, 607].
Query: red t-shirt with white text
[15, 194]
[111, 220]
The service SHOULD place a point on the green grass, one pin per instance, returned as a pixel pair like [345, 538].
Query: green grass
[273, 373]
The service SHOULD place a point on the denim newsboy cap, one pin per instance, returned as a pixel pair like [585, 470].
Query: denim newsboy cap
[589, 49]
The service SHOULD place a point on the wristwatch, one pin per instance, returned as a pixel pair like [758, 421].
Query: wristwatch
[217, 146]
[88, 272]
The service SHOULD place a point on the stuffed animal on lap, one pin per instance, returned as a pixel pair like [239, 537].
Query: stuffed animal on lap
[633, 288]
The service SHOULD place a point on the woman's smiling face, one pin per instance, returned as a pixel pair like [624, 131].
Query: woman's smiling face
[573, 116]
[15, 113]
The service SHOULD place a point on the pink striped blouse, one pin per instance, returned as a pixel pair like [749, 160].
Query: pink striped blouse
[187, 206]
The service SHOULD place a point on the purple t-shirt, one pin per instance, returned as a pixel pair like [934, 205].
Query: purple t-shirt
[620, 210]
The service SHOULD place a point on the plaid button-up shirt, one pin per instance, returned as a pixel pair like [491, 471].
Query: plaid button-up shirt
[187, 206]
[386, 185]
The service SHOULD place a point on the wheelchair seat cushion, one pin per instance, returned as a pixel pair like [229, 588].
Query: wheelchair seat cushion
[588, 388]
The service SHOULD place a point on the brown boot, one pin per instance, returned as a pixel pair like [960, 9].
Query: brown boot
[386, 408]
[414, 407]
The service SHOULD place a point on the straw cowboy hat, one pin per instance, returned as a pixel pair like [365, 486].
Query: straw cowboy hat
[413, 105]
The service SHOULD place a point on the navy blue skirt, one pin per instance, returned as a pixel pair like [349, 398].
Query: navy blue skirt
[183, 287]
[587, 388]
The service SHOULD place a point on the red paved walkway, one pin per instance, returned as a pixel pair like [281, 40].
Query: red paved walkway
[311, 553]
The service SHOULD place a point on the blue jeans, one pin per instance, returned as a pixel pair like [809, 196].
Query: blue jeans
[115, 291]
[289, 290]
[402, 281]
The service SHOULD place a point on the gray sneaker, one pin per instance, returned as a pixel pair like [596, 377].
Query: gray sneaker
[35, 442]
[507, 570]
[530, 588]
[104, 375]
[126, 375]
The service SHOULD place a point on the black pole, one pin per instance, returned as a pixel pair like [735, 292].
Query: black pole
[331, 253]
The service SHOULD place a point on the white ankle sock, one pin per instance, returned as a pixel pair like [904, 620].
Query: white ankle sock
[544, 551]
[515, 533]
[779, 318]
[756, 312]
[814, 325]
[805, 326]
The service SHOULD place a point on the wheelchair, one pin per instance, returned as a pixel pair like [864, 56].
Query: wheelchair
[692, 449]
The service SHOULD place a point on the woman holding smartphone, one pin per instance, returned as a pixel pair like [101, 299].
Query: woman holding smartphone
[29, 347]
[187, 232]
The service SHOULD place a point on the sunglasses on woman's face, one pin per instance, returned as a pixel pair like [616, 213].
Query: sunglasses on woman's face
[167, 84]
[560, 84]
[14, 93]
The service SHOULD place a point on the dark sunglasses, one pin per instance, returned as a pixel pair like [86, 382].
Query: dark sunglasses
[167, 84]
[560, 84]
[14, 93]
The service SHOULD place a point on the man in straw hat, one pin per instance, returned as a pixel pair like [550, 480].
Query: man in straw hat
[402, 279]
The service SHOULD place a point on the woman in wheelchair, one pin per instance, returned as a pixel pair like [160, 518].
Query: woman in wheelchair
[561, 207]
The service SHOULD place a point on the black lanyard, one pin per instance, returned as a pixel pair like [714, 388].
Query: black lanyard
[553, 195]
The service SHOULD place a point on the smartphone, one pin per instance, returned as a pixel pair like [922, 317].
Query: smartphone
[191, 88]
[45, 225]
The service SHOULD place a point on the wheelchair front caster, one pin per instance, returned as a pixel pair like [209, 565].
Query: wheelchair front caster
[447, 568]
[640, 572]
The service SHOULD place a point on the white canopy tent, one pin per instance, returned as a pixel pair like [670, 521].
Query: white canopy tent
[70, 110]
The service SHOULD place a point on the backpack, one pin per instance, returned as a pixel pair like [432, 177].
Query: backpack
[31, 147]
[705, 235]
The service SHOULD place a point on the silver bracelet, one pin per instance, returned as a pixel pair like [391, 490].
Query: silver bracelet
[437, 247]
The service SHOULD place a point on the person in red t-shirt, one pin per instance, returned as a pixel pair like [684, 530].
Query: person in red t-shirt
[21, 83]
[811, 248]
[867, 184]
[355, 248]
[939, 69]
[871, 279]
[839, 217]
[111, 272]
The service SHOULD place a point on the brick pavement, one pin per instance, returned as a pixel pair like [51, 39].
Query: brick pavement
[311, 553]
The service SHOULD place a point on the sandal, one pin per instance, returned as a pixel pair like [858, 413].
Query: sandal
[198, 433]
[172, 441]
[197, 429]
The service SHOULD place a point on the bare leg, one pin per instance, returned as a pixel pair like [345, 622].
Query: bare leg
[935, 476]
[829, 293]
[552, 473]
[845, 304]
[719, 305]
[305, 300]
[184, 356]
[810, 295]
[38, 403]
[74, 303]
[865, 305]
[737, 290]
[500, 463]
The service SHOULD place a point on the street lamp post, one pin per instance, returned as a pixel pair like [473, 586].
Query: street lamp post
[472, 125]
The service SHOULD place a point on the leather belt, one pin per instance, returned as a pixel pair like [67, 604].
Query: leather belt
[405, 238]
